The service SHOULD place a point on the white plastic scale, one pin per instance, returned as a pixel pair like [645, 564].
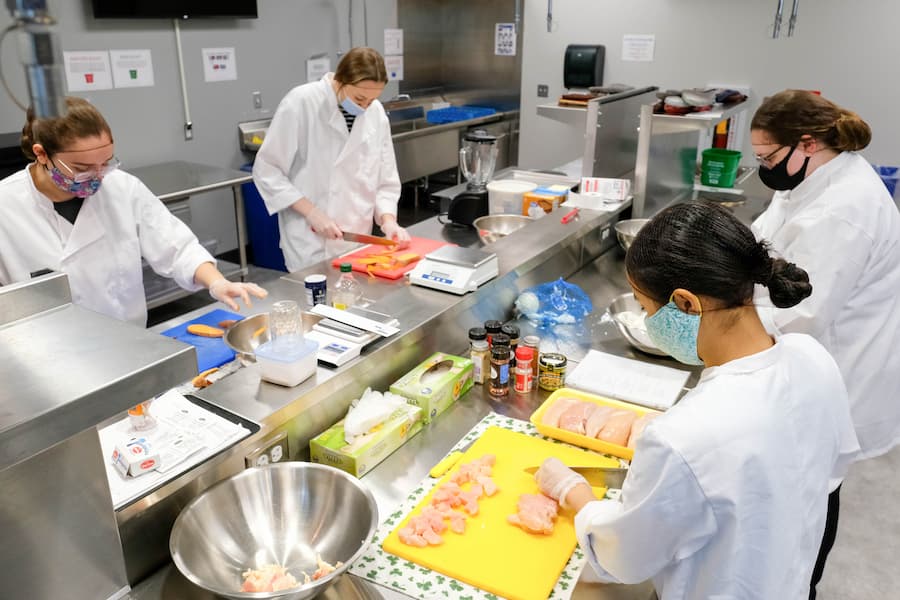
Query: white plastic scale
[454, 269]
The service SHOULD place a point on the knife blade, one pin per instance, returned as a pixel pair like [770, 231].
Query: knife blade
[608, 477]
[367, 239]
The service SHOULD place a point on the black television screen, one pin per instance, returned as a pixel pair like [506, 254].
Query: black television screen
[173, 9]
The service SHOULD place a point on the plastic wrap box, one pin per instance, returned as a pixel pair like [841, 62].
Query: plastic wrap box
[436, 383]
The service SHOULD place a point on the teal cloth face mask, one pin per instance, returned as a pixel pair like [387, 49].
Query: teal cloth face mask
[675, 332]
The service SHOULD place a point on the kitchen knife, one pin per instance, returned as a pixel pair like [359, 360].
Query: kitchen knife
[362, 238]
[608, 477]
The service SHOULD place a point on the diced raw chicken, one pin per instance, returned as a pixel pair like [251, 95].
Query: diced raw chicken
[618, 427]
[555, 411]
[490, 488]
[536, 513]
[409, 537]
[457, 522]
[597, 420]
[471, 471]
[268, 578]
[324, 568]
[470, 502]
[637, 428]
[576, 416]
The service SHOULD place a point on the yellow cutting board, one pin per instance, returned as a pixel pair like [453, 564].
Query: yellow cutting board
[492, 554]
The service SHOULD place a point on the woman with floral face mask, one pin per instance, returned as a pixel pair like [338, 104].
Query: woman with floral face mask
[726, 495]
[72, 210]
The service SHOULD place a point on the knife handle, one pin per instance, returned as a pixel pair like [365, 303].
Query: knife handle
[445, 464]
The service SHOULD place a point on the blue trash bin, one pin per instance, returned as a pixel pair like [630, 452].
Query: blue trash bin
[262, 229]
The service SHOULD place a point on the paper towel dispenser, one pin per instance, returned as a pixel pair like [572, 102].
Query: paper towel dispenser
[583, 66]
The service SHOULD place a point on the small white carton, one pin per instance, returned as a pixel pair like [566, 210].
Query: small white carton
[135, 456]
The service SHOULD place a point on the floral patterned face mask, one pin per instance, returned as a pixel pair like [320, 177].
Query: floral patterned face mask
[80, 185]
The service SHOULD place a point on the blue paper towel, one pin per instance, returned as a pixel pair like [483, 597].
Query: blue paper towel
[211, 352]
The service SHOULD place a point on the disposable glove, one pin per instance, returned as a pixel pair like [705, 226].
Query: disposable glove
[224, 291]
[323, 225]
[556, 480]
[393, 231]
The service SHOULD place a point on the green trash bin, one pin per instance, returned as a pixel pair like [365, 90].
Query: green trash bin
[719, 167]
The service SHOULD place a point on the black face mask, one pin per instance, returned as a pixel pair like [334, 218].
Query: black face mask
[777, 177]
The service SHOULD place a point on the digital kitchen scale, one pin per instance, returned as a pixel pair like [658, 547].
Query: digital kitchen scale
[454, 269]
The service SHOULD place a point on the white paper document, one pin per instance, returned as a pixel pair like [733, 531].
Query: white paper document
[393, 42]
[638, 47]
[131, 68]
[316, 67]
[219, 64]
[394, 67]
[87, 70]
[627, 379]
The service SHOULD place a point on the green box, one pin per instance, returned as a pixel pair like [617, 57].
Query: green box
[367, 450]
[436, 383]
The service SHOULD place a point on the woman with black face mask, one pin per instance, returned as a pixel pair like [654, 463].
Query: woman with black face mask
[832, 214]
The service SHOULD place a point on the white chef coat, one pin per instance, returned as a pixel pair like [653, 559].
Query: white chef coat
[101, 253]
[727, 493]
[308, 152]
[843, 228]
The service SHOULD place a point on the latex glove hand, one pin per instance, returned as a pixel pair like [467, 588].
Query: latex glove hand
[323, 225]
[393, 231]
[556, 480]
[225, 291]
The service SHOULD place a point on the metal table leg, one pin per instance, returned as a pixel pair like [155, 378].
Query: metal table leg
[240, 219]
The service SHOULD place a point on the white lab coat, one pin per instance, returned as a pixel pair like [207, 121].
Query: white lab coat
[309, 153]
[843, 228]
[727, 493]
[101, 253]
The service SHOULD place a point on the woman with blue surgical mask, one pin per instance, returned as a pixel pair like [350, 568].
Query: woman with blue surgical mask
[327, 163]
[726, 496]
[73, 210]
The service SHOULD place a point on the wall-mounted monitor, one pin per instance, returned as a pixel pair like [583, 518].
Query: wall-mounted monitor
[173, 9]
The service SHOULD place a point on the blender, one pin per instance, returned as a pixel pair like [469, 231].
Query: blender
[477, 159]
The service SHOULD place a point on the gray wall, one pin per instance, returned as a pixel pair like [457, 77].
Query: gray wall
[845, 49]
[147, 123]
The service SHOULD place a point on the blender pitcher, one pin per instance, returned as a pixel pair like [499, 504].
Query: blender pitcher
[477, 158]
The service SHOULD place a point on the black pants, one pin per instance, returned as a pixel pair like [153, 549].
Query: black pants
[831, 525]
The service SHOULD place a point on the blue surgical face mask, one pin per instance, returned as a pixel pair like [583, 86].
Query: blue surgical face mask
[675, 332]
[352, 107]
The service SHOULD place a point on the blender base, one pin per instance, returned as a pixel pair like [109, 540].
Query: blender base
[467, 206]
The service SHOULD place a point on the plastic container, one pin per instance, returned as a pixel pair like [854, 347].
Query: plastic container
[452, 114]
[287, 361]
[505, 196]
[347, 291]
[719, 167]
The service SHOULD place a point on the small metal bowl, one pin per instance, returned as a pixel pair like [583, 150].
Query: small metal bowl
[493, 227]
[627, 230]
[284, 513]
[247, 334]
[639, 339]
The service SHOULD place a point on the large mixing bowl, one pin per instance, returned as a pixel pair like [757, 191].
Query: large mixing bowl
[627, 230]
[285, 514]
[628, 315]
[493, 227]
[247, 334]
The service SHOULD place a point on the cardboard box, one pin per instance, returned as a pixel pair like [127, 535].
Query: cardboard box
[436, 383]
[547, 198]
[369, 449]
[609, 189]
[135, 456]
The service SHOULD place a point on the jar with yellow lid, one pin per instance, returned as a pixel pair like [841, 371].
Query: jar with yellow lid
[551, 371]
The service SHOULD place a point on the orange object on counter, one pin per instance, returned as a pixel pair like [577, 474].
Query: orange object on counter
[386, 262]
[547, 198]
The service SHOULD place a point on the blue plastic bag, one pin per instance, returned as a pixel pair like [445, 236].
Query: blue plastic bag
[554, 302]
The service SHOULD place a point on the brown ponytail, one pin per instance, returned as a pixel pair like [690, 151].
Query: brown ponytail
[81, 120]
[361, 64]
[789, 115]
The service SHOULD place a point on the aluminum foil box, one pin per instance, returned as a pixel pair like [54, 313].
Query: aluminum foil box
[436, 383]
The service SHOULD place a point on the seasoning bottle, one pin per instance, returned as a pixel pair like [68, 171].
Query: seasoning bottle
[513, 332]
[524, 379]
[480, 354]
[500, 339]
[492, 327]
[347, 292]
[499, 371]
[533, 342]
[551, 371]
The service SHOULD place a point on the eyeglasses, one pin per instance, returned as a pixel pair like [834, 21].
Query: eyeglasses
[80, 176]
[766, 160]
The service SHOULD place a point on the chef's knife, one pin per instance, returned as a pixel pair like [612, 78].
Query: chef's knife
[608, 477]
[362, 238]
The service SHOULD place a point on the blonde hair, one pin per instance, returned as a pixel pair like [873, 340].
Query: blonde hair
[81, 120]
[361, 64]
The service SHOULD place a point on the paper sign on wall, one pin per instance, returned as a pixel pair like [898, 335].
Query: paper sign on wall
[393, 42]
[505, 39]
[638, 47]
[131, 68]
[394, 66]
[316, 67]
[219, 64]
[87, 70]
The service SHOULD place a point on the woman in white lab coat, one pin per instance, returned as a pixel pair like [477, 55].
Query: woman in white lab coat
[327, 163]
[833, 214]
[726, 494]
[73, 210]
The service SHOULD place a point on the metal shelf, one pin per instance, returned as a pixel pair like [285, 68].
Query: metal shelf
[570, 115]
[697, 121]
[162, 290]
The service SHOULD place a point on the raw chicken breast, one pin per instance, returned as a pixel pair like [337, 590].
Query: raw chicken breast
[597, 420]
[637, 428]
[268, 578]
[555, 411]
[536, 513]
[618, 427]
[576, 416]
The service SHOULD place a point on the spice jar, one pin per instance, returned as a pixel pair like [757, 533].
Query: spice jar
[499, 371]
[533, 342]
[513, 332]
[492, 328]
[524, 379]
[480, 354]
[551, 371]
[500, 339]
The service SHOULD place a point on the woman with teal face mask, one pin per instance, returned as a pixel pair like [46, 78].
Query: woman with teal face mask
[726, 496]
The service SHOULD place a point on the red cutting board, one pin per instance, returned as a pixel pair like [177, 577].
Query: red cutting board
[420, 246]
[492, 554]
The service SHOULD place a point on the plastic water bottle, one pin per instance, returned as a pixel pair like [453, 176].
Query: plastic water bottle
[535, 211]
[347, 292]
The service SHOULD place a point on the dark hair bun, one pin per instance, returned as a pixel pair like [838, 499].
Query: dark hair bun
[788, 284]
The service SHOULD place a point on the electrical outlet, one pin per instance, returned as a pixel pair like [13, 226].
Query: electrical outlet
[271, 450]
[257, 100]
[543, 90]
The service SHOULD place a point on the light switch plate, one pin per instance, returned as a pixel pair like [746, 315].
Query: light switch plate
[543, 90]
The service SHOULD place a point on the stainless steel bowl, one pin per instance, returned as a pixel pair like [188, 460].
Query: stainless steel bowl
[285, 514]
[627, 230]
[247, 334]
[639, 339]
[493, 227]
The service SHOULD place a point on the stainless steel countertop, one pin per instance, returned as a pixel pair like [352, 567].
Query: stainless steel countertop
[178, 179]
